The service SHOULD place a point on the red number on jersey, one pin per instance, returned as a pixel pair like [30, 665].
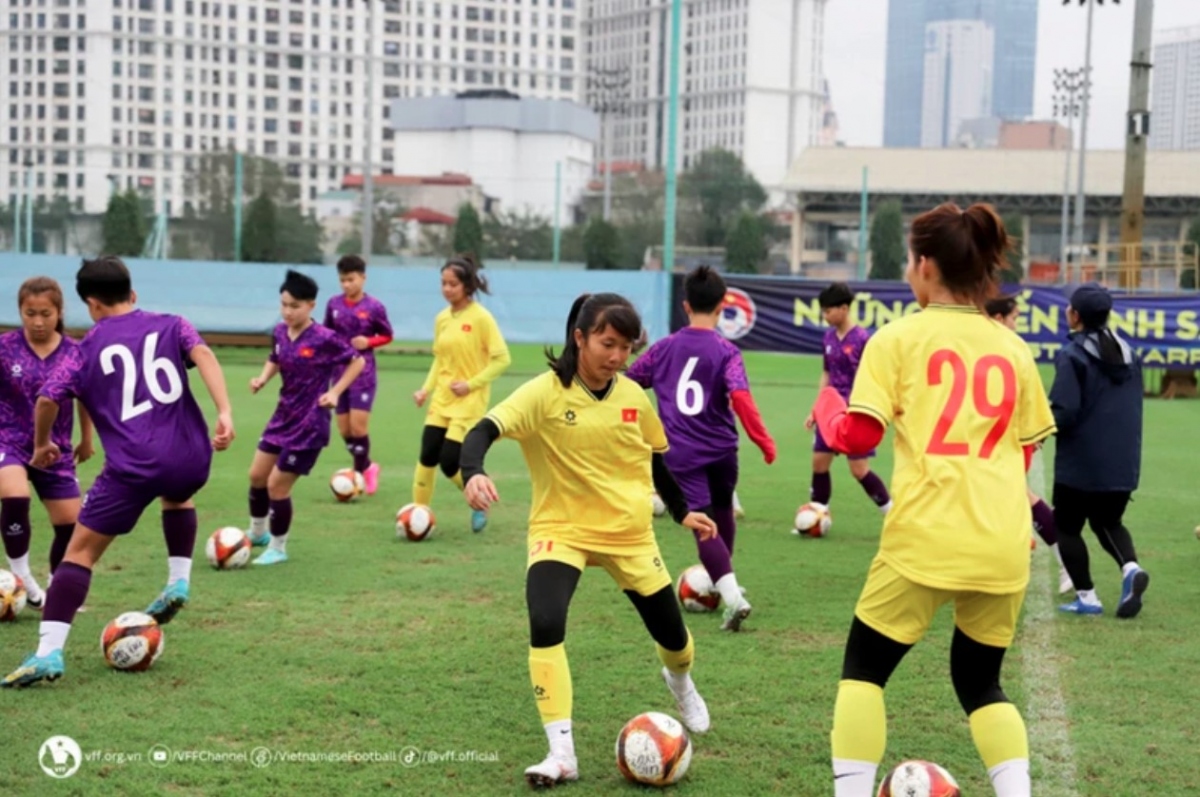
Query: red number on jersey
[1002, 412]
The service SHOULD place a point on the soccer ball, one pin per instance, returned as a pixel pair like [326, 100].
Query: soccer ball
[132, 642]
[919, 779]
[657, 505]
[416, 522]
[696, 590]
[347, 484]
[813, 520]
[228, 548]
[654, 750]
[12, 596]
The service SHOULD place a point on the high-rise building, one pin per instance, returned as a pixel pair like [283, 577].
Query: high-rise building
[958, 78]
[116, 94]
[751, 79]
[1175, 99]
[1014, 27]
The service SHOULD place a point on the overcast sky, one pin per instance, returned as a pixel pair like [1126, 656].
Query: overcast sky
[856, 55]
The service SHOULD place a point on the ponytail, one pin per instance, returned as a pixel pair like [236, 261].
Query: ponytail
[466, 267]
[969, 247]
[1110, 348]
[592, 312]
[564, 365]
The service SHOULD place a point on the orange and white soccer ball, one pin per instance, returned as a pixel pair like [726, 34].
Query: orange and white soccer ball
[132, 642]
[653, 749]
[228, 548]
[919, 779]
[12, 596]
[696, 590]
[812, 520]
[415, 522]
[347, 484]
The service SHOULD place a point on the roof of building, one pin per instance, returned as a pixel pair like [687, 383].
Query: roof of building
[518, 114]
[393, 180]
[983, 172]
[427, 216]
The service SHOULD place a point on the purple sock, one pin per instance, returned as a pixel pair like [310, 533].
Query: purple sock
[179, 530]
[14, 526]
[822, 488]
[360, 447]
[260, 503]
[67, 593]
[1043, 522]
[874, 487]
[58, 548]
[281, 517]
[726, 526]
[715, 557]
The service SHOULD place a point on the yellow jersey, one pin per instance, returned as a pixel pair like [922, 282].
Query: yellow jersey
[589, 460]
[965, 397]
[467, 347]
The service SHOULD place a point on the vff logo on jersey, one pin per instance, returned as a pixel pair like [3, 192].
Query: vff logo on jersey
[738, 314]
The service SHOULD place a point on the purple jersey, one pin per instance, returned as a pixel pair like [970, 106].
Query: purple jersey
[694, 372]
[22, 374]
[307, 366]
[842, 356]
[130, 372]
[366, 317]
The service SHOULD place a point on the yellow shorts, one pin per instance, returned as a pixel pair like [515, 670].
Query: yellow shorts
[903, 610]
[642, 572]
[456, 428]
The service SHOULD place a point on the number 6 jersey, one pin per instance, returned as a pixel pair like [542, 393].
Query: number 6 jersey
[130, 372]
[965, 396]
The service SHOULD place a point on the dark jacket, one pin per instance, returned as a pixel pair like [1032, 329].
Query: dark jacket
[1098, 409]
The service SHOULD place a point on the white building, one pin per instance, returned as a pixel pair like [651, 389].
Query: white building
[958, 78]
[1175, 101]
[751, 78]
[515, 149]
[131, 93]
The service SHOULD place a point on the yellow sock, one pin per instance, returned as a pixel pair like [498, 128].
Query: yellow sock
[551, 678]
[999, 734]
[678, 661]
[457, 479]
[859, 723]
[423, 484]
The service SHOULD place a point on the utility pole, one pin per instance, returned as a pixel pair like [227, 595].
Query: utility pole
[1133, 200]
[1067, 85]
[608, 90]
[668, 261]
[368, 206]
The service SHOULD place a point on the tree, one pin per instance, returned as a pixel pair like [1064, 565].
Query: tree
[601, 245]
[124, 226]
[211, 178]
[746, 245]
[888, 252]
[468, 232]
[1014, 225]
[519, 236]
[300, 236]
[382, 233]
[1187, 280]
[260, 231]
[718, 188]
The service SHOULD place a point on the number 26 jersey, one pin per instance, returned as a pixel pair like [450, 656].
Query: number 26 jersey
[965, 396]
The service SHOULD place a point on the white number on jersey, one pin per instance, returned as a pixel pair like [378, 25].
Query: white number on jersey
[151, 368]
[689, 394]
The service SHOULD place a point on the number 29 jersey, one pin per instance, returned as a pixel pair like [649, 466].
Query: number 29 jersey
[130, 373]
[965, 396]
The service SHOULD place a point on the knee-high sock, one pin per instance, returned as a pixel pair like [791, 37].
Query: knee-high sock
[875, 489]
[550, 676]
[15, 527]
[999, 735]
[859, 737]
[281, 521]
[457, 479]
[58, 548]
[179, 530]
[678, 662]
[1043, 522]
[66, 594]
[260, 510]
[726, 525]
[360, 449]
[423, 484]
[822, 488]
[715, 557]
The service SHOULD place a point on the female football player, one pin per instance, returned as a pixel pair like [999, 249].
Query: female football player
[969, 408]
[594, 446]
[468, 354]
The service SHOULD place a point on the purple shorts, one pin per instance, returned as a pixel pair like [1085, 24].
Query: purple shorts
[708, 485]
[299, 462]
[359, 396]
[56, 484]
[821, 447]
[116, 501]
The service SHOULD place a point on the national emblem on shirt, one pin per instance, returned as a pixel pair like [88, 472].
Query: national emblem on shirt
[629, 415]
[466, 327]
[307, 351]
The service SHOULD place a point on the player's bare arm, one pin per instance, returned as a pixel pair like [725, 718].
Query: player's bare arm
[268, 373]
[214, 380]
[45, 452]
[330, 398]
[86, 448]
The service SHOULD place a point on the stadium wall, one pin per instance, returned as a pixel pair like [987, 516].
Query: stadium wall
[242, 298]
